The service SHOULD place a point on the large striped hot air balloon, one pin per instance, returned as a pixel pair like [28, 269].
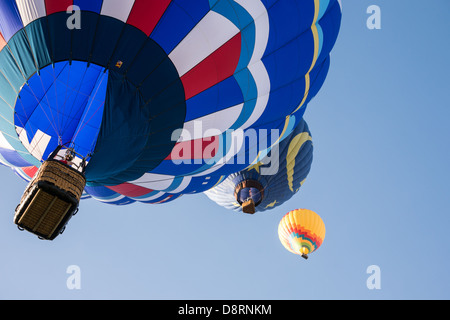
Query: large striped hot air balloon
[145, 93]
[114, 80]
[301, 232]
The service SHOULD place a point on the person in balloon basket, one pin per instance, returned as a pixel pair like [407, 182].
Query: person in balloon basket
[68, 158]
[250, 193]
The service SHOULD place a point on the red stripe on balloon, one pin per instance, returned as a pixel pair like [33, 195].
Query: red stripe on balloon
[195, 149]
[146, 14]
[30, 171]
[219, 66]
[53, 6]
[130, 190]
[2, 42]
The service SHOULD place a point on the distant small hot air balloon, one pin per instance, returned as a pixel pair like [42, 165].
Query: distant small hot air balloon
[301, 232]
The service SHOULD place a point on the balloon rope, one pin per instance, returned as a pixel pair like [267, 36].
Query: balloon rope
[75, 89]
[89, 107]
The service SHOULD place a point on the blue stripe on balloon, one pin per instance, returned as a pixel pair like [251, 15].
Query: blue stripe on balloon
[178, 20]
[10, 20]
[89, 5]
[223, 95]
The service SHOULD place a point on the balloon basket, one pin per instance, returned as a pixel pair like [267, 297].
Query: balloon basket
[50, 200]
[249, 207]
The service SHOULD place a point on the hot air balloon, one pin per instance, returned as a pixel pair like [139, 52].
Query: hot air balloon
[273, 180]
[122, 84]
[301, 232]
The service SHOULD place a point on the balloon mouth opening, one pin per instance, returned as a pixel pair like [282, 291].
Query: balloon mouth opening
[54, 97]
[249, 194]
[302, 250]
[304, 253]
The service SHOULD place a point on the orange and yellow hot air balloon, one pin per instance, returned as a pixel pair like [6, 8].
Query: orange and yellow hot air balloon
[301, 232]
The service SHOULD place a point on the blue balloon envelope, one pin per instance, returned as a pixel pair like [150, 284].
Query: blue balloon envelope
[273, 180]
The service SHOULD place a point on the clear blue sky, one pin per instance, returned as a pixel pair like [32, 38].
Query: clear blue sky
[379, 180]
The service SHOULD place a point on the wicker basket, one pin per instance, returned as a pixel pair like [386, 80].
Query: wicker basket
[249, 205]
[50, 200]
